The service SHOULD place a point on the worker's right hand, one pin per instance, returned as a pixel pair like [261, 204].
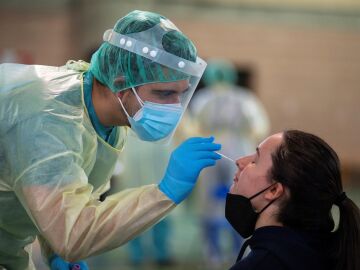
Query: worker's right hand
[185, 165]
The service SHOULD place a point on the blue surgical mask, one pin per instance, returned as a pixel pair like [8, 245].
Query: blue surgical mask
[154, 121]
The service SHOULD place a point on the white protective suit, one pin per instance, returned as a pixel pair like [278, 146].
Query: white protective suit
[238, 120]
[53, 168]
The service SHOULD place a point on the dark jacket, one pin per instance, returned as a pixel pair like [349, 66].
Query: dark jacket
[281, 248]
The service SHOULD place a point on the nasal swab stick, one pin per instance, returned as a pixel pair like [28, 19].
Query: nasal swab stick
[226, 157]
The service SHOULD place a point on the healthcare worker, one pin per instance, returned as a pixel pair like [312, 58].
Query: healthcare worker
[63, 128]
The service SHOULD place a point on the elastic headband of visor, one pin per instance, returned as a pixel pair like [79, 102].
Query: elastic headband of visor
[155, 54]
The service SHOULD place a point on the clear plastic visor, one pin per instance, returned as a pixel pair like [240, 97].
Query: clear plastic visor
[179, 91]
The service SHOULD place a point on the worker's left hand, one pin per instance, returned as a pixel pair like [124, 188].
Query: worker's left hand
[56, 263]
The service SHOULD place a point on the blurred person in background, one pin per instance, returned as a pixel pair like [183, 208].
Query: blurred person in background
[239, 121]
[153, 158]
[282, 196]
[62, 130]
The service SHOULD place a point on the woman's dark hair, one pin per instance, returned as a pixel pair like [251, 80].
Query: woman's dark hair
[310, 169]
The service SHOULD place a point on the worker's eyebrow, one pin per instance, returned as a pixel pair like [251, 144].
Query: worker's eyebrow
[169, 92]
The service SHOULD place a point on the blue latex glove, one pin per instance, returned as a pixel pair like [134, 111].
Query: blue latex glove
[185, 165]
[56, 263]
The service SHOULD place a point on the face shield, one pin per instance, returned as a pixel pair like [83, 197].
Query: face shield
[154, 64]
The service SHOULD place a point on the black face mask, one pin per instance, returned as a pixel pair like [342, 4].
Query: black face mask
[240, 213]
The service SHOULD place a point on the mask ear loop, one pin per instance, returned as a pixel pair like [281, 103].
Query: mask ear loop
[257, 194]
[123, 107]
[137, 97]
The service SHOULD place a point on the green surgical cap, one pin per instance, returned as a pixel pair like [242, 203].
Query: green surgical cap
[120, 69]
[219, 71]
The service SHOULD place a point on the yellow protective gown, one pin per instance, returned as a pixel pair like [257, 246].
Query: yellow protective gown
[53, 168]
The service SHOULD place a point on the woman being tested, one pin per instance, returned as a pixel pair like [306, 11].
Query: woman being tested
[282, 197]
[63, 128]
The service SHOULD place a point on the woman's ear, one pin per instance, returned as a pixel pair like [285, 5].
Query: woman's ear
[274, 192]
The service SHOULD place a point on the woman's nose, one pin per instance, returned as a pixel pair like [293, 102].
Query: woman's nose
[242, 162]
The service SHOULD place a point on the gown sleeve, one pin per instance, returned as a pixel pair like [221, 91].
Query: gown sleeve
[46, 161]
